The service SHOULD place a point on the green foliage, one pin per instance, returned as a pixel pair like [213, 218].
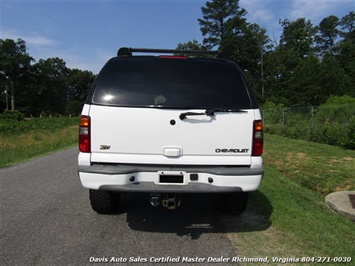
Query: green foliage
[47, 86]
[339, 100]
[337, 109]
[331, 123]
[9, 115]
[328, 33]
[350, 144]
[272, 112]
[304, 85]
[332, 134]
[309, 65]
[191, 45]
[13, 127]
[336, 118]
[220, 19]
[15, 65]
[23, 140]
[225, 27]
[318, 167]
[74, 107]
[51, 85]
[289, 206]
[297, 36]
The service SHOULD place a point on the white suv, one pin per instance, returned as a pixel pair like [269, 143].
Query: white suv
[165, 125]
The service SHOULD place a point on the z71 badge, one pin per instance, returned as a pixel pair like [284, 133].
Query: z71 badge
[105, 147]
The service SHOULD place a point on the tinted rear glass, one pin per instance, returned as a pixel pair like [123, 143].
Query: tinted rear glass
[171, 83]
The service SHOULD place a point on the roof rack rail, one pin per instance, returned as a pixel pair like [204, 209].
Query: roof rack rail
[127, 51]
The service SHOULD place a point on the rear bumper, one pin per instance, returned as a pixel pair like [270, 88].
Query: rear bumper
[193, 179]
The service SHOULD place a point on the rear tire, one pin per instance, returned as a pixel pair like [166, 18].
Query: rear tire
[233, 203]
[104, 202]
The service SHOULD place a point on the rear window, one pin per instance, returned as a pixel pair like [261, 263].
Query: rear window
[171, 83]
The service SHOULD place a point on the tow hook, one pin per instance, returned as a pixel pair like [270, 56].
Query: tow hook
[154, 199]
[171, 201]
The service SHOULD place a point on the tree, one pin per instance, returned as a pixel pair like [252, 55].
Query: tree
[224, 26]
[298, 36]
[305, 86]
[51, 86]
[296, 44]
[191, 45]
[348, 23]
[346, 55]
[79, 84]
[15, 64]
[258, 44]
[333, 78]
[328, 34]
[220, 19]
[47, 87]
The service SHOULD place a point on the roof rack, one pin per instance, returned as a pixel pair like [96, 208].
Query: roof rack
[127, 51]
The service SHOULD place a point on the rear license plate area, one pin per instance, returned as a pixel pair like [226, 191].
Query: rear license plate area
[171, 179]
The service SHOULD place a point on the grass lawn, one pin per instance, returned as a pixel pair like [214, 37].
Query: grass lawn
[319, 167]
[21, 141]
[288, 217]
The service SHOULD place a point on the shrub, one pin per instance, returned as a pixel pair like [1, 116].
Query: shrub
[20, 127]
[273, 113]
[331, 123]
[12, 115]
[350, 143]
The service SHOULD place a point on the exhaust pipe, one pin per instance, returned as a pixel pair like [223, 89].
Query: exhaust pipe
[154, 200]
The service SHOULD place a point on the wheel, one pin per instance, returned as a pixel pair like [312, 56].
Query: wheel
[104, 202]
[233, 203]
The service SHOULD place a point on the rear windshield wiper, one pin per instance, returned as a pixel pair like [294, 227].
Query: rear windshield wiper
[210, 112]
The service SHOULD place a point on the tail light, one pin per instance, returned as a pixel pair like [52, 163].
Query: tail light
[84, 134]
[258, 140]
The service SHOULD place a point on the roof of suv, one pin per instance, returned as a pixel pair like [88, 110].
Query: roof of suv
[125, 51]
[179, 82]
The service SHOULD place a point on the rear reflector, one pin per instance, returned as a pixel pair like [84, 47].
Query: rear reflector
[258, 138]
[84, 134]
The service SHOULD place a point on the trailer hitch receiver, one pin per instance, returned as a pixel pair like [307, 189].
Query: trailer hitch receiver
[171, 201]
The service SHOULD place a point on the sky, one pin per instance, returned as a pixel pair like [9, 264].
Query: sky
[86, 33]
